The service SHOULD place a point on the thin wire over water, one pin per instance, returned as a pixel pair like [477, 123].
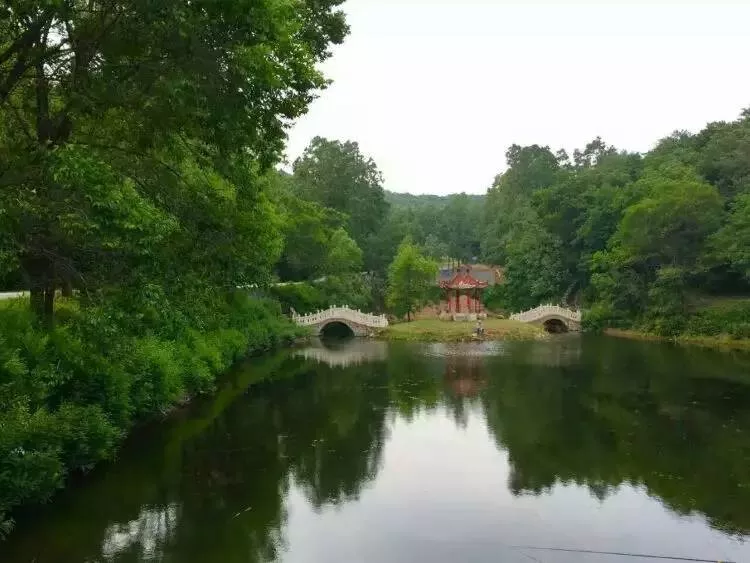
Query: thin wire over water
[622, 554]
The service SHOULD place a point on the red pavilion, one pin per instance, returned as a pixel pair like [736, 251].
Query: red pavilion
[462, 294]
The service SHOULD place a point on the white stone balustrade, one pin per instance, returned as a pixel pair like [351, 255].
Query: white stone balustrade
[546, 311]
[342, 313]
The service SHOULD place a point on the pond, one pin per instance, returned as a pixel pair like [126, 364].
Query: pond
[374, 452]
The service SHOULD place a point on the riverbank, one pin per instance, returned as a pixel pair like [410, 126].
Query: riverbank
[723, 342]
[71, 392]
[435, 330]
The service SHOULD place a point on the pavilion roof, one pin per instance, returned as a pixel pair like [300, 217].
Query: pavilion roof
[463, 281]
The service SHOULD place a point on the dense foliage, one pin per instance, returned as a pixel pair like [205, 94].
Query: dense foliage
[333, 186]
[136, 144]
[133, 134]
[445, 227]
[336, 175]
[69, 394]
[640, 240]
[411, 276]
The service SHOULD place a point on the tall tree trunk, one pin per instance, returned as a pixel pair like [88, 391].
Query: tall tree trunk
[40, 274]
[49, 304]
[37, 301]
[67, 288]
[43, 302]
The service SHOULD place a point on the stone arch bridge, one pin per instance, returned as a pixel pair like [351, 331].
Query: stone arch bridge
[552, 317]
[361, 324]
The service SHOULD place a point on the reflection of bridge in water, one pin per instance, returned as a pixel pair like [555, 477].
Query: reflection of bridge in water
[349, 353]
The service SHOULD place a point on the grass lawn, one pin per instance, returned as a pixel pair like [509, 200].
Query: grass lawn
[13, 302]
[435, 330]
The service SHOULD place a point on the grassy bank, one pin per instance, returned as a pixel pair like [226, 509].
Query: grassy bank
[721, 342]
[434, 330]
[706, 321]
[70, 393]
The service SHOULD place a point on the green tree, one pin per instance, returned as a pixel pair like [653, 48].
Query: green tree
[105, 112]
[307, 229]
[435, 248]
[533, 266]
[337, 175]
[460, 220]
[724, 155]
[344, 256]
[636, 239]
[731, 244]
[583, 207]
[135, 144]
[658, 243]
[671, 223]
[529, 169]
[410, 277]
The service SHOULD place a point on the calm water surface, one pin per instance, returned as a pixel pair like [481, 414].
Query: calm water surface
[369, 452]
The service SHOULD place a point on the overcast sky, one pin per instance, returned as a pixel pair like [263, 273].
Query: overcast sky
[436, 90]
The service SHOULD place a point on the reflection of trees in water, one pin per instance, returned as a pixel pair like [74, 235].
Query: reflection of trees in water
[142, 538]
[333, 427]
[213, 486]
[324, 429]
[673, 420]
[557, 351]
[232, 483]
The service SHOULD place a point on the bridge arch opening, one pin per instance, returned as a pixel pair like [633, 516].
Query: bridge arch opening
[555, 326]
[336, 330]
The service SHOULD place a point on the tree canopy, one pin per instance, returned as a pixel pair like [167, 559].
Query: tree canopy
[137, 141]
[196, 98]
[337, 175]
[410, 277]
[631, 236]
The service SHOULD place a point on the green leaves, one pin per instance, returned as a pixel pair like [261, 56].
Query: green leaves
[634, 237]
[130, 129]
[731, 244]
[344, 256]
[533, 266]
[336, 175]
[410, 277]
[671, 223]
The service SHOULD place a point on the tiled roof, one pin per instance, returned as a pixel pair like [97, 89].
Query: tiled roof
[463, 281]
[481, 272]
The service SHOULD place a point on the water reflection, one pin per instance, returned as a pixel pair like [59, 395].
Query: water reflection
[344, 353]
[143, 537]
[371, 452]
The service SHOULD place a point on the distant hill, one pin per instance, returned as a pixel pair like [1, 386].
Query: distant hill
[411, 200]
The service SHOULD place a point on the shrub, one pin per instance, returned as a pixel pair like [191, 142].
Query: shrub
[354, 290]
[494, 298]
[303, 297]
[39, 447]
[70, 393]
[600, 316]
[731, 318]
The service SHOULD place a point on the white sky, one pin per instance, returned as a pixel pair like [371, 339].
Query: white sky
[436, 90]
